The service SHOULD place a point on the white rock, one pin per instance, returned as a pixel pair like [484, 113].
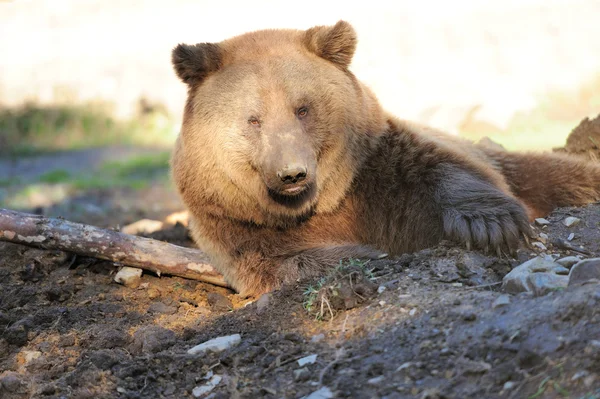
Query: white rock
[142, 226]
[31, 355]
[542, 222]
[537, 275]
[202, 390]
[568, 261]
[404, 366]
[380, 289]
[502, 300]
[323, 393]
[317, 338]
[216, 344]
[509, 385]
[571, 221]
[413, 311]
[539, 245]
[570, 237]
[310, 359]
[543, 238]
[129, 276]
[376, 380]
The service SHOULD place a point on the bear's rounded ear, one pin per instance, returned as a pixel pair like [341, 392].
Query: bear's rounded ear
[193, 63]
[334, 43]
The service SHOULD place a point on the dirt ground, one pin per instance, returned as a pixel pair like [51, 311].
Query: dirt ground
[434, 324]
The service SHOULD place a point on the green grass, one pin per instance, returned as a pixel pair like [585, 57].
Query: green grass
[137, 173]
[33, 129]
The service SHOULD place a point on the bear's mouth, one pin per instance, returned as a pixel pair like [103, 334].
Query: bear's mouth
[292, 195]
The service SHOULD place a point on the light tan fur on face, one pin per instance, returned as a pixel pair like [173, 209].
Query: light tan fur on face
[380, 184]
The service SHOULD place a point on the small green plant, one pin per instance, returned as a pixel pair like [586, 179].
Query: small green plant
[55, 176]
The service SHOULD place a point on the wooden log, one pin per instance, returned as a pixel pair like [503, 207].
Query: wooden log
[81, 239]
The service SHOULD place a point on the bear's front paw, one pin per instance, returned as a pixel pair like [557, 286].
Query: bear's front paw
[498, 228]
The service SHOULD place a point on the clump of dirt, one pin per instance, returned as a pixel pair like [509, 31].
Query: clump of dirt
[584, 140]
[433, 324]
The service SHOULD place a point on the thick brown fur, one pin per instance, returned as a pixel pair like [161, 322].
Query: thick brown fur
[288, 164]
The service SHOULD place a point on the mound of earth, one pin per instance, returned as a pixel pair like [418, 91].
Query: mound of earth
[433, 324]
[584, 140]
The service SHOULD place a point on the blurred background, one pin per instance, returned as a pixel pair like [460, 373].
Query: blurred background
[89, 105]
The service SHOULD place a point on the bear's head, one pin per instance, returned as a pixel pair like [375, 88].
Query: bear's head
[275, 125]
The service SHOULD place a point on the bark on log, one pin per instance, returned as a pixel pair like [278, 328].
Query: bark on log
[145, 253]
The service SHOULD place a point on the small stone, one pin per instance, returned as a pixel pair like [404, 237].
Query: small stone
[508, 385]
[404, 366]
[161, 308]
[323, 393]
[11, 382]
[153, 293]
[129, 276]
[571, 221]
[584, 271]
[302, 374]
[502, 300]
[28, 356]
[542, 222]
[413, 312]
[219, 303]
[469, 316]
[543, 283]
[579, 375]
[589, 381]
[307, 360]
[202, 390]
[539, 245]
[121, 390]
[570, 237]
[216, 345]
[518, 279]
[262, 303]
[382, 303]
[376, 380]
[317, 338]
[380, 289]
[543, 238]
[568, 261]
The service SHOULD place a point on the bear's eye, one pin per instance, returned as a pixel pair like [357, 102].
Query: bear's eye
[254, 121]
[302, 112]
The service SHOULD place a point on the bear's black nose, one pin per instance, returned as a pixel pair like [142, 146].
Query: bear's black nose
[292, 174]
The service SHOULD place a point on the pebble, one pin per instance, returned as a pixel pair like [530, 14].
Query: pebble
[263, 302]
[129, 276]
[376, 380]
[317, 338]
[539, 245]
[310, 359]
[10, 382]
[218, 302]
[570, 237]
[585, 271]
[323, 393]
[543, 238]
[161, 308]
[202, 390]
[571, 221]
[509, 385]
[380, 289]
[502, 300]
[413, 311]
[302, 374]
[216, 345]
[542, 222]
[538, 276]
[568, 261]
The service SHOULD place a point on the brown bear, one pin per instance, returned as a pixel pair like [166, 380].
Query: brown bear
[288, 164]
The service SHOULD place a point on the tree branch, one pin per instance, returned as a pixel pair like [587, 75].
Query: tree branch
[145, 253]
